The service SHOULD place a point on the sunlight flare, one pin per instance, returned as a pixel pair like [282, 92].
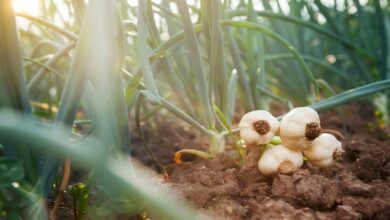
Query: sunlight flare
[26, 6]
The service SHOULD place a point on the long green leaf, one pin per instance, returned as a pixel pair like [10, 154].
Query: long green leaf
[351, 95]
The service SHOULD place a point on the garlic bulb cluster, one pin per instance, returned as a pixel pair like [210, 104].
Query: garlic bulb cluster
[299, 130]
[258, 127]
[280, 159]
[324, 150]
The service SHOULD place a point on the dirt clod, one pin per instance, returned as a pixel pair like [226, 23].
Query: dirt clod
[345, 212]
[368, 165]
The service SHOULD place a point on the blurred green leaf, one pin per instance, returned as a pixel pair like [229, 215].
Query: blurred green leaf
[10, 171]
[113, 171]
[13, 94]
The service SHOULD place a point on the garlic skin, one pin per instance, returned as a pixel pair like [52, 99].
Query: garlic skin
[299, 128]
[258, 127]
[280, 159]
[324, 150]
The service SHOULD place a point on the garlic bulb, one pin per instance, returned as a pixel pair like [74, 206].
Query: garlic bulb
[258, 127]
[280, 159]
[324, 150]
[299, 127]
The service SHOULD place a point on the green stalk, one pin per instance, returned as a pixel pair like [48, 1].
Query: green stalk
[280, 40]
[298, 21]
[334, 26]
[161, 49]
[38, 46]
[166, 66]
[173, 109]
[205, 109]
[251, 59]
[384, 49]
[71, 36]
[143, 49]
[97, 61]
[247, 99]
[218, 75]
[315, 61]
[48, 68]
[270, 94]
[42, 72]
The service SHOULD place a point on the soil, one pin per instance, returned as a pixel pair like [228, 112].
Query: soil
[165, 136]
[358, 187]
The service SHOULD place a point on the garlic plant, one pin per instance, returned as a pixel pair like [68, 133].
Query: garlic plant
[258, 127]
[299, 128]
[280, 159]
[299, 131]
[324, 150]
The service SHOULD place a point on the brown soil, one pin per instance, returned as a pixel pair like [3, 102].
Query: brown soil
[358, 187]
[165, 136]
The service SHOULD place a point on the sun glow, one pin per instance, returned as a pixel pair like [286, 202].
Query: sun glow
[30, 7]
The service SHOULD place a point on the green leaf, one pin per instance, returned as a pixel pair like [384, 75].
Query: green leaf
[10, 171]
[80, 193]
[351, 95]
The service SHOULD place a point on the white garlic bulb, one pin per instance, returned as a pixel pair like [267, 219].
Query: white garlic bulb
[280, 159]
[324, 150]
[258, 127]
[299, 128]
